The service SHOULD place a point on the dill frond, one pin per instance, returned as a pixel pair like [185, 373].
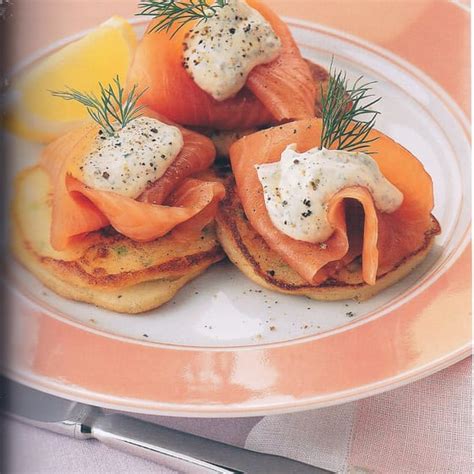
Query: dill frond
[347, 113]
[171, 13]
[112, 109]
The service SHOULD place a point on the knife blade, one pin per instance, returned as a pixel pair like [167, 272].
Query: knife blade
[177, 450]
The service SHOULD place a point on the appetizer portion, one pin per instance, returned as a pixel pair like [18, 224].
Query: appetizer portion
[129, 182]
[229, 64]
[329, 208]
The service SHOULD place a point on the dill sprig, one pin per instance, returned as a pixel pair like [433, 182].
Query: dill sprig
[113, 109]
[347, 113]
[172, 13]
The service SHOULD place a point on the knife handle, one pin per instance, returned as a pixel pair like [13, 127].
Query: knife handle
[151, 442]
[187, 453]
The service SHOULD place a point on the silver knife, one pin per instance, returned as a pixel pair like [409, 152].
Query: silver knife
[177, 450]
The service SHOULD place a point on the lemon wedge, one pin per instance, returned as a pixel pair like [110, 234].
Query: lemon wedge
[34, 114]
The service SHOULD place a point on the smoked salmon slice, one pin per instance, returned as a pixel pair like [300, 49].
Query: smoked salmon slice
[279, 91]
[387, 238]
[285, 86]
[197, 155]
[175, 199]
[142, 221]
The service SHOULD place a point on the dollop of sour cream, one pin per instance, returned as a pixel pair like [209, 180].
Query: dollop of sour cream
[135, 157]
[297, 189]
[220, 52]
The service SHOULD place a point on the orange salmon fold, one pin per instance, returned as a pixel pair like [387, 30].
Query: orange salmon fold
[279, 91]
[175, 200]
[382, 239]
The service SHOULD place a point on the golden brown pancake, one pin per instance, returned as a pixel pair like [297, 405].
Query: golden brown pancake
[250, 253]
[104, 268]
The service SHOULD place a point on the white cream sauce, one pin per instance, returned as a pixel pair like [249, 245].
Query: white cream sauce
[220, 52]
[135, 157]
[297, 188]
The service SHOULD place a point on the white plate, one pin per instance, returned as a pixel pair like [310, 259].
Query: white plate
[222, 308]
